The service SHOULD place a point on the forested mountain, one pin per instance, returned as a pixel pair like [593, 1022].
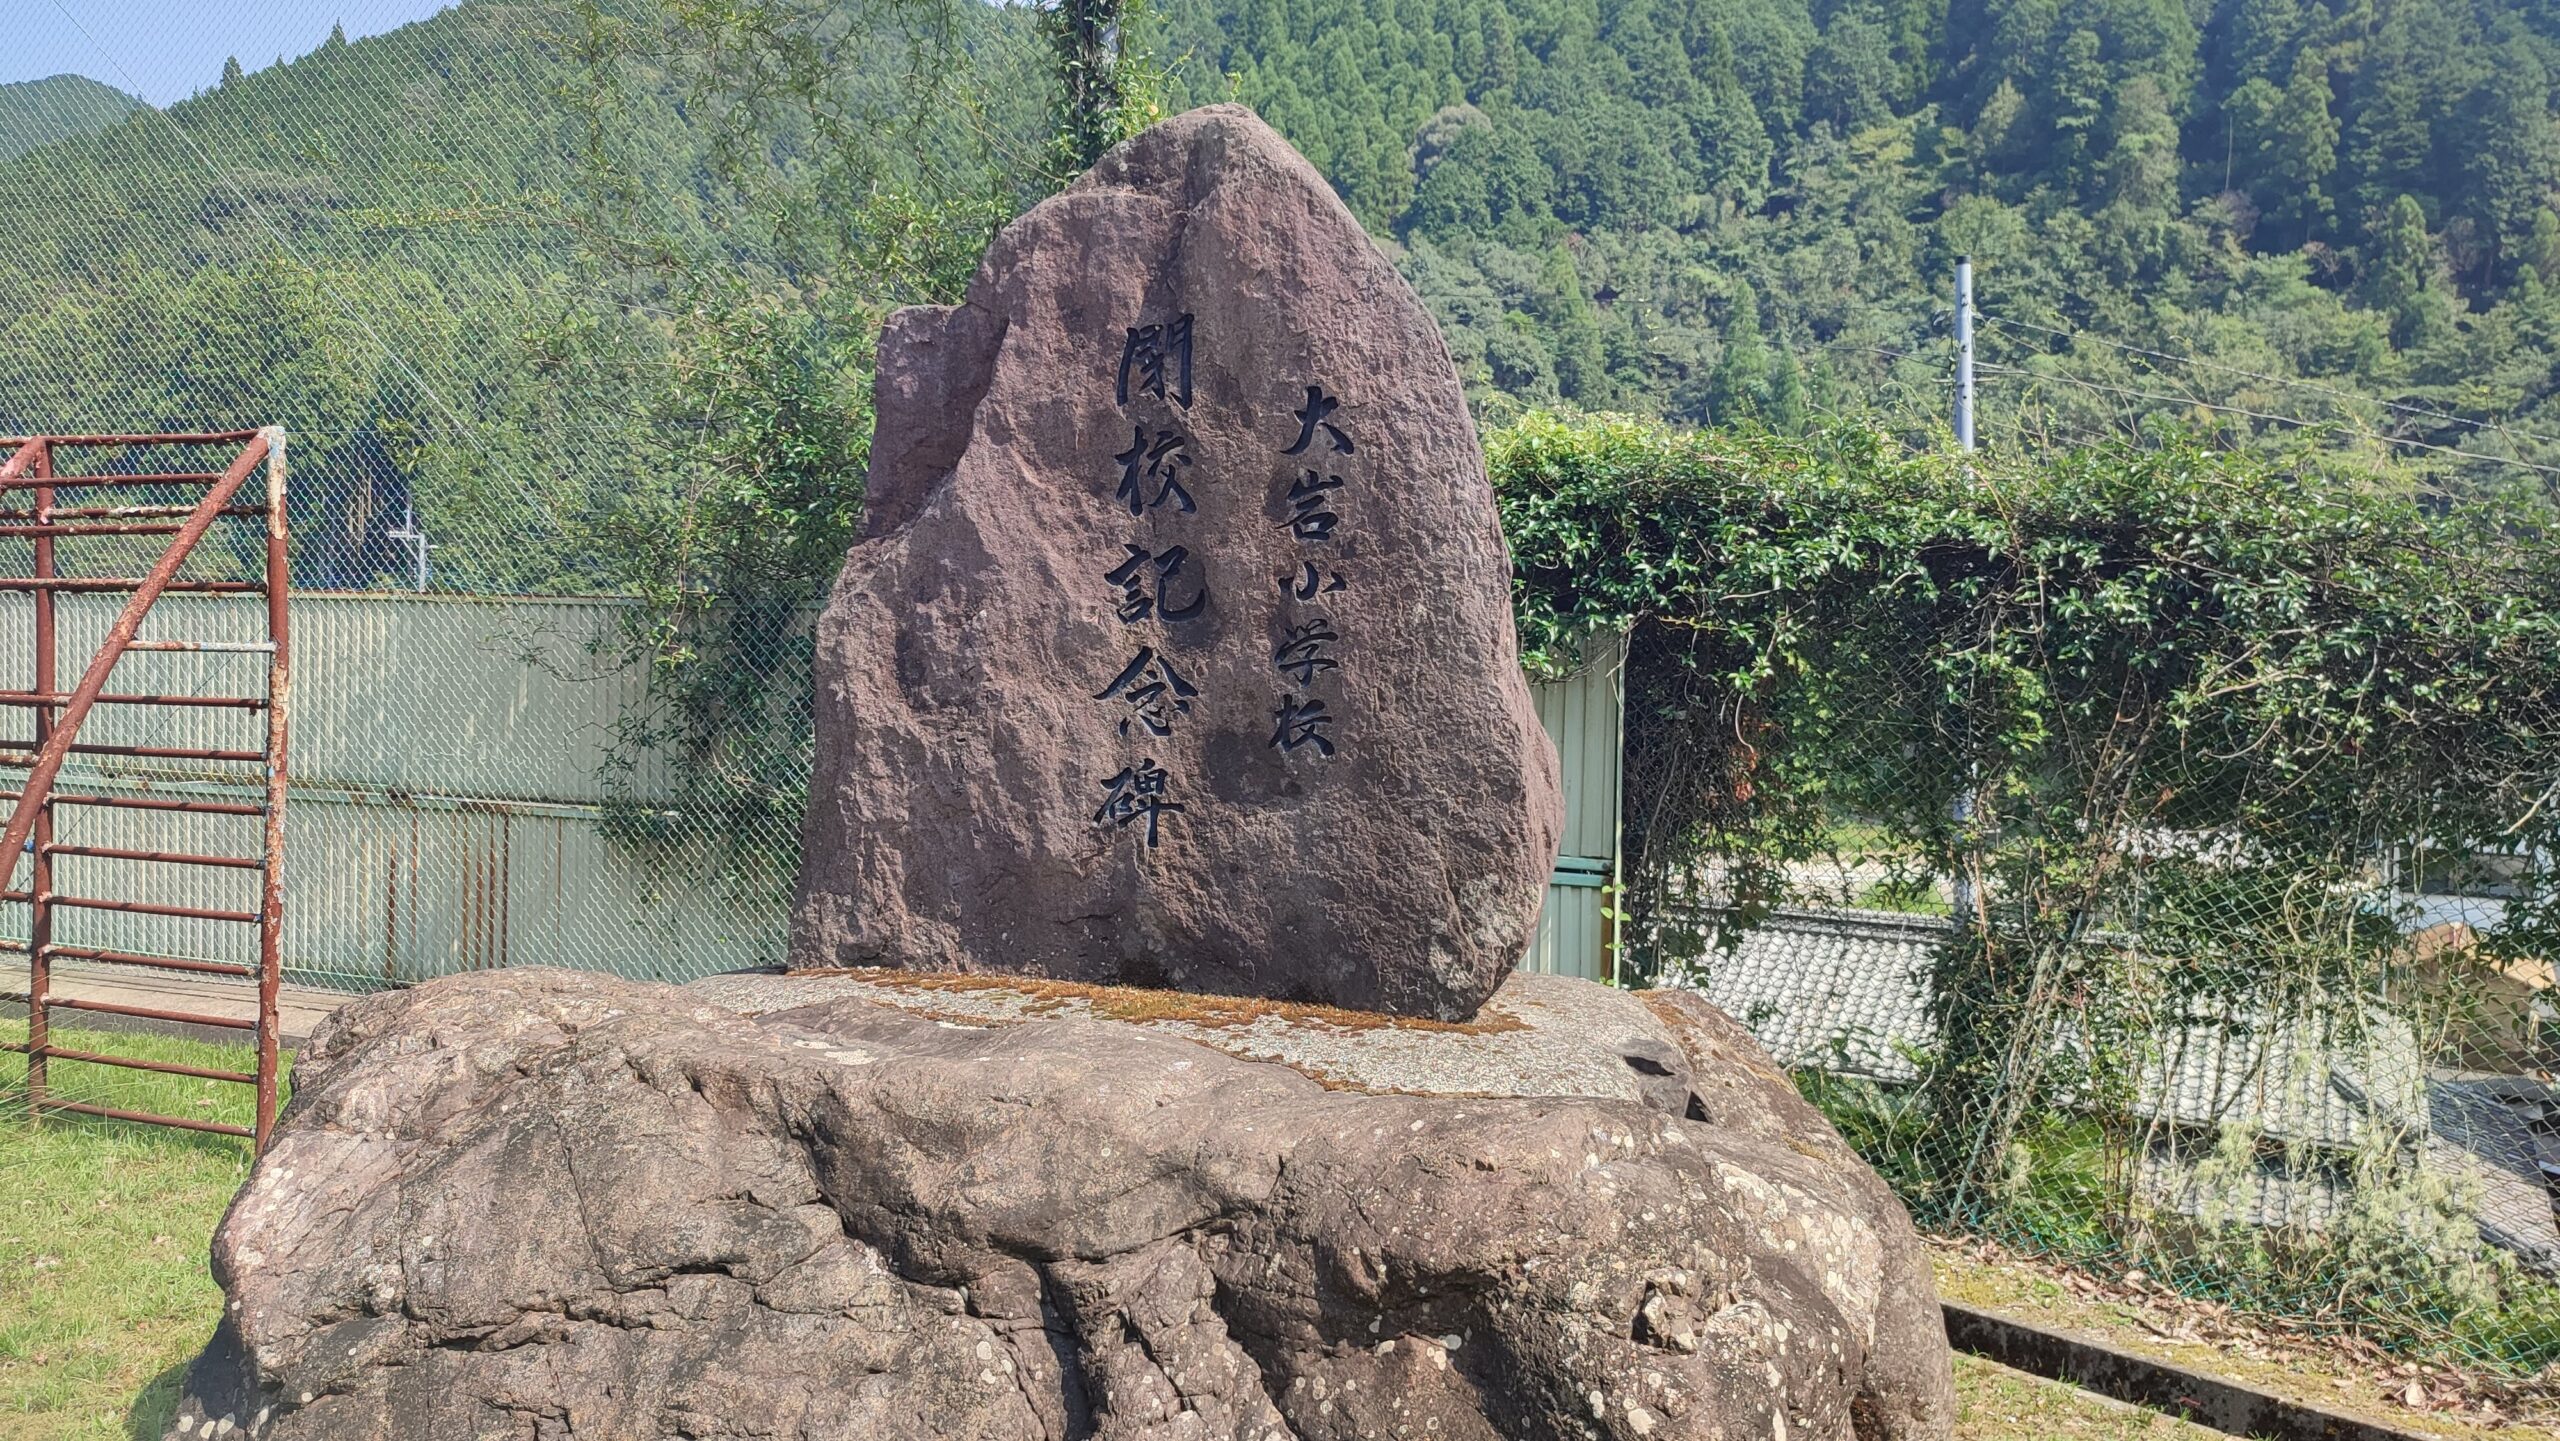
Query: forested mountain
[1728, 208]
[39, 112]
[485, 263]
[359, 244]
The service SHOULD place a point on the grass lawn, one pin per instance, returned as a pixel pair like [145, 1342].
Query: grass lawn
[104, 1229]
[104, 1293]
[2327, 1372]
[1994, 1403]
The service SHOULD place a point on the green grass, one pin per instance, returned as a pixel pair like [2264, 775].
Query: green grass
[2418, 1296]
[1994, 1403]
[104, 1232]
[1909, 896]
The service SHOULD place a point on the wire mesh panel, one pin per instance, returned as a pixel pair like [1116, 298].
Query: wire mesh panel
[2298, 1081]
[2111, 916]
[397, 249]
[453, 816]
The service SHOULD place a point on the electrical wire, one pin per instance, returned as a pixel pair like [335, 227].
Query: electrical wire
[2127, 418]
[2310, 385]
[2268, 416]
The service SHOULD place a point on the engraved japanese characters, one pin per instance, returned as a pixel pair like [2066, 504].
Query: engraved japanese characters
[1178, 650]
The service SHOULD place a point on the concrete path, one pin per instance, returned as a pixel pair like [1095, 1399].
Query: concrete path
[298, 1008]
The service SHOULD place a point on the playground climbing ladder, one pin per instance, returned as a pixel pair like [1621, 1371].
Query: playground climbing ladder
[32, 486]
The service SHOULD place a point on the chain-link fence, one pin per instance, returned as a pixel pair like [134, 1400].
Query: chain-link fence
[457, 262]
[573, 373]
[2136, 1036]
[2145, 855]
[577, 437]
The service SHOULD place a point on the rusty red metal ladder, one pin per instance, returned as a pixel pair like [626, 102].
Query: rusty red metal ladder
[29, 471]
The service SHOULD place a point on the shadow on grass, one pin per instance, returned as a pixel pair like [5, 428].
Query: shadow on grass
[155, 1405]
[13, 1116]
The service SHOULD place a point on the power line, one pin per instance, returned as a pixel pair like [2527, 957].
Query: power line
[1869, 347]
[2121, 414]
[2284, 380]
[2272, 418]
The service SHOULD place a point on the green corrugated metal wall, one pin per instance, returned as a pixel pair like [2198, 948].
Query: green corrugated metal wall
[1582, 713]
[447, 812]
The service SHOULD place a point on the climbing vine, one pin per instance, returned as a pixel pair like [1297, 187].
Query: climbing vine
[2172, 725]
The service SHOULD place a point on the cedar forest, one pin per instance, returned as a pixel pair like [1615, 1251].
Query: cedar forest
[1711, 211]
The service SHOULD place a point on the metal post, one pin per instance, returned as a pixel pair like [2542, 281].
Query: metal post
[1960, 897]
[408, 534]
[40, 837]
[271, 850]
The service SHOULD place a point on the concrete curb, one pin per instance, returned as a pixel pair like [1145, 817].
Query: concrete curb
[2104, 1370]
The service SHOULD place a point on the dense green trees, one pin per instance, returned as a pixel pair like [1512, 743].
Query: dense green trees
[485, 245]
[2097, 644]
[2166, 175]
[40, 112]
[2190, 697]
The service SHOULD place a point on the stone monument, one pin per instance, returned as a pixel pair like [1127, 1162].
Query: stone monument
[1178, 650]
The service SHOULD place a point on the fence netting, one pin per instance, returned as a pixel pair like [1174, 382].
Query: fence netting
[565, 309]
[551, 710]
[2296, 1083]
[549, 299]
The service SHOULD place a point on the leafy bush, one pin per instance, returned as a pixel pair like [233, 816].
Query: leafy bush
[2168, 718]
[2158, 675]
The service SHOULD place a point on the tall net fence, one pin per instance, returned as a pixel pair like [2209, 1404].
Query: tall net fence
[515, 280]
[557, 303]
[2152, 1003]
[565, 309]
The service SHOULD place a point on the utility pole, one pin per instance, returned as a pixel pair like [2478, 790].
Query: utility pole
[1960, 891]
[1964, 353]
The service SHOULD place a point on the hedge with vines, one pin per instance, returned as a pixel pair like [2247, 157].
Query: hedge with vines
[2175, 722]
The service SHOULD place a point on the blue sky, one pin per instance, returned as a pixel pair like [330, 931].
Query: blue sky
[166, 50]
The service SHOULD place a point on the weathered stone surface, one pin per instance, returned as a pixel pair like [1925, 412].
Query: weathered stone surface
[550, 1205]
[1538, 1036]
[984, 679]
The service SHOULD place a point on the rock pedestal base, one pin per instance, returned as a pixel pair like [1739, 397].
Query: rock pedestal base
[543, 1204]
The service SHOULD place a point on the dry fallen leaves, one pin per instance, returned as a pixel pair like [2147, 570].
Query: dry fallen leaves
[2178, 1322]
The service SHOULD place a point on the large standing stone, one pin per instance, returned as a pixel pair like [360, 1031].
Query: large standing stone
[1179, 648]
